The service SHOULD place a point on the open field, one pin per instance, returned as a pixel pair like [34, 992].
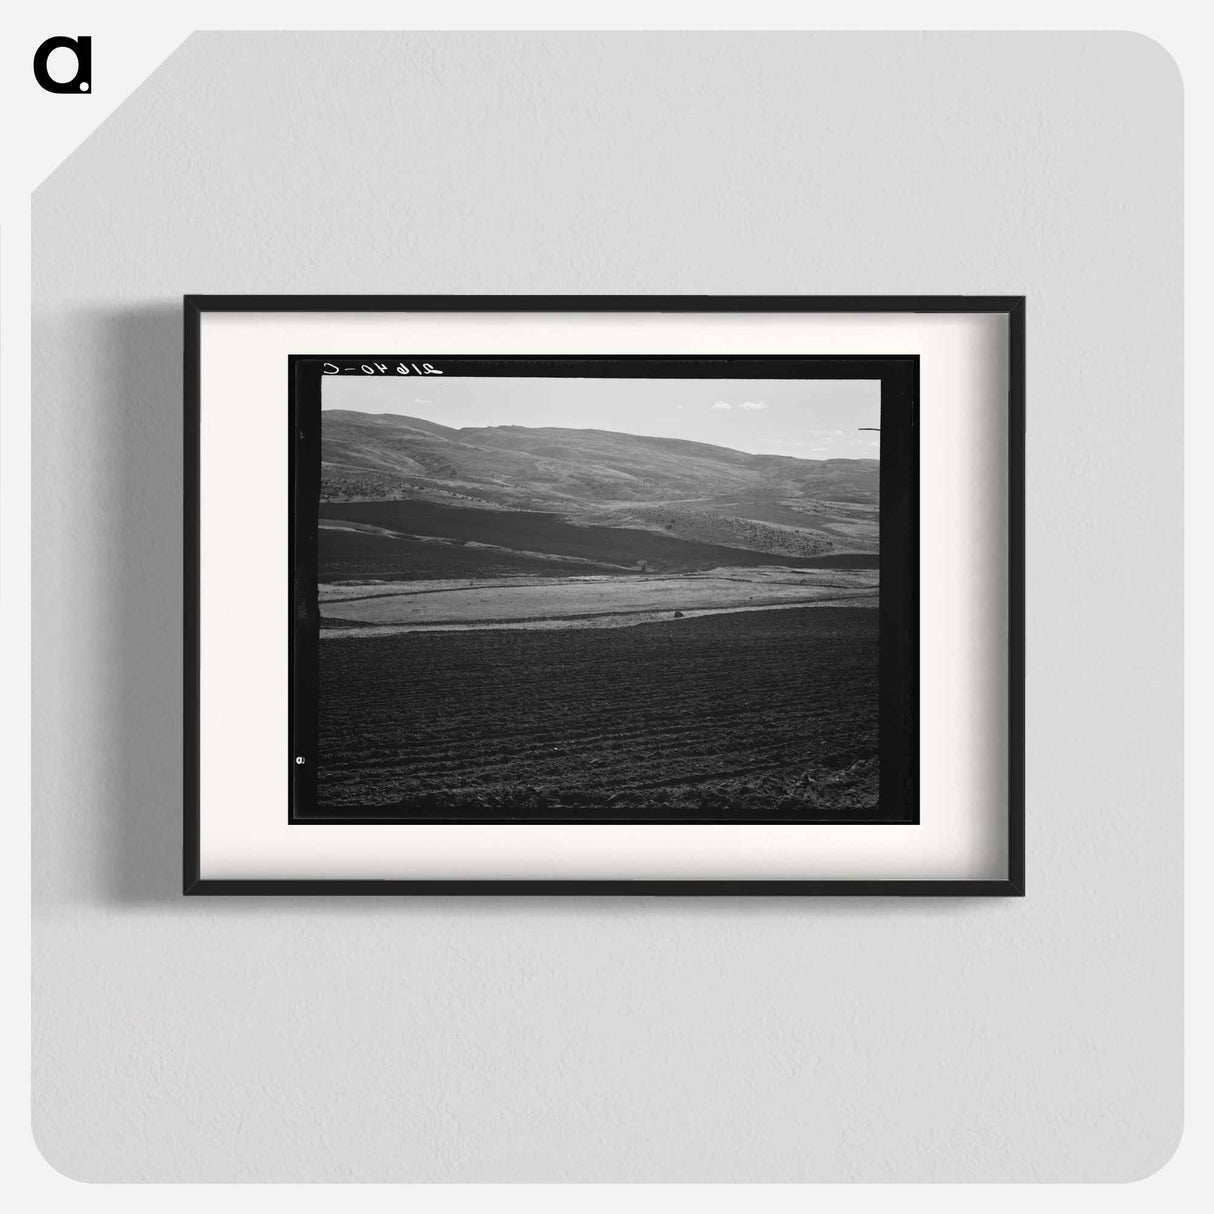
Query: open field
[539, 622]
[727, 716]
[778, 528]
[588, 601]
[346, 554]
[404, 540]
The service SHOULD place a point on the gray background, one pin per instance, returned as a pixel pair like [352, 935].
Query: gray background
[628, 1039]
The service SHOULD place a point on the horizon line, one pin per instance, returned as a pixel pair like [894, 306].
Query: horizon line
[852, 459]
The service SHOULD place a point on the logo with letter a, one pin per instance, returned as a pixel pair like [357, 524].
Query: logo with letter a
[82, 81]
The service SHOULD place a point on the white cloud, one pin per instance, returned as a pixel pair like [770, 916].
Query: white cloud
[722, 404]
[753, 405]
[418, 400]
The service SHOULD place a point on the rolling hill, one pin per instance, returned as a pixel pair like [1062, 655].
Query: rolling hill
[403, 497]
[385, 456]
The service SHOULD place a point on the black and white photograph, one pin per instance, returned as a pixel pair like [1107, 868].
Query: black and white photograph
[601, 590]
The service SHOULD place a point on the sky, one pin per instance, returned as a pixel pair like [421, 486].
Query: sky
[810, 419]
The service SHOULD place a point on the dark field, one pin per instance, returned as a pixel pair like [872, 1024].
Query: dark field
[355, 556]
[351, 555]
[744, 716]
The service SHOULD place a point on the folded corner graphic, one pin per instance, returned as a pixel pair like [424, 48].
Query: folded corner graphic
[65, 83]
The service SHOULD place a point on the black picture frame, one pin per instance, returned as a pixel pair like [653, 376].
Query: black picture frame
[1012, 307]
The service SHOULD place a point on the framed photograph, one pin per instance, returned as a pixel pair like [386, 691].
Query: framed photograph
[604, 595]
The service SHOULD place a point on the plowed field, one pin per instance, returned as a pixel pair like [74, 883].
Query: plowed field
[744, 716]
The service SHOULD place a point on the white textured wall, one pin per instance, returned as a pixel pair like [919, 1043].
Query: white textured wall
[625, 1039]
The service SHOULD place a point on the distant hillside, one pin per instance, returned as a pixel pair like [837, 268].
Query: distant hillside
[400, 538]
[385, 456]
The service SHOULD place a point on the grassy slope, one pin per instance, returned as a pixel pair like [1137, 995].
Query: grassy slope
[348, 555]
[384, 455]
